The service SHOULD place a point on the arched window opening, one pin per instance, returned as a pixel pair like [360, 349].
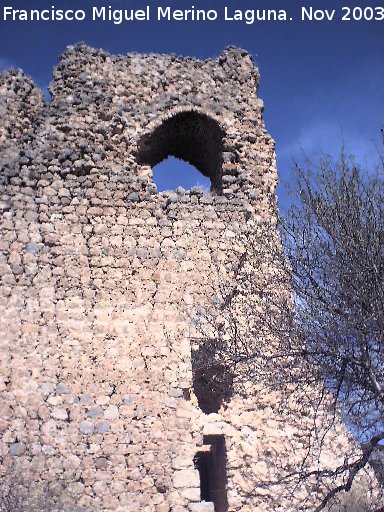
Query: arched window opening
[172, 173]
[190, 136]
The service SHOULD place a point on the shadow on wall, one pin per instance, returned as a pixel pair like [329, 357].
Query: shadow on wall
[212, 378]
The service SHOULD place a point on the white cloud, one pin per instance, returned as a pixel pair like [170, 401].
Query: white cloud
[345, 113]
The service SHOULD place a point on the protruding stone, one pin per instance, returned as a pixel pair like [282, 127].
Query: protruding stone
[5, 206]
[86, 427]
[95, 412]
[101, 463]
[17, 449]
[185, 478]
[62, 388]
[111, 412]
[102, 427]
[59, 413]
[204, 506]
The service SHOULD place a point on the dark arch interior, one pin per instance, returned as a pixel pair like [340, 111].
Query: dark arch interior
[190, 136]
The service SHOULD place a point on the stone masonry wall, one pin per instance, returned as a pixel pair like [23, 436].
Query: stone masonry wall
[101, 275]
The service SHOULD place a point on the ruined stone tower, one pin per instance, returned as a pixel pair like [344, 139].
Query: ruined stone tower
[101, 276]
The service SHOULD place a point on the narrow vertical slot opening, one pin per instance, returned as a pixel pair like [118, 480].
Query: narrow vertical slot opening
[211, 463]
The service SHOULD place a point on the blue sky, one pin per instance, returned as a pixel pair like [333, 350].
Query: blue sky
[321, 81]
